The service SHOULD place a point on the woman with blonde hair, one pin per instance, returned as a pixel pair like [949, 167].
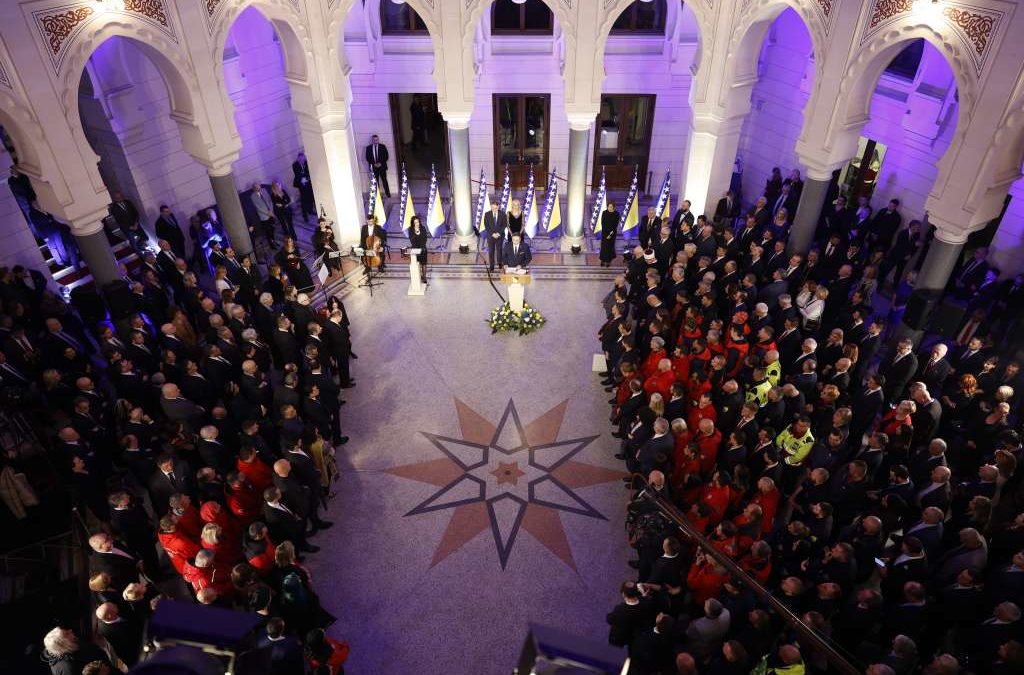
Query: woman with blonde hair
[515, 218]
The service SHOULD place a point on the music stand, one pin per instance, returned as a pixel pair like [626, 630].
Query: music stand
[369, 279]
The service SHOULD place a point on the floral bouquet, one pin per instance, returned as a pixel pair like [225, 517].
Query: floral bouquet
[504, 319]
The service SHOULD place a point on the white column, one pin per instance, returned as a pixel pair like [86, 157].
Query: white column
[462, 189]
[330, 147]
[579, 145]
[712, 153]
[95, 248]
[229, 204]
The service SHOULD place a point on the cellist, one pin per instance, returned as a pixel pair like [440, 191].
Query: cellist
[374, 239]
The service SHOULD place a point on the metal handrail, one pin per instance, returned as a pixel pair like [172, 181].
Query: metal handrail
[837, 660]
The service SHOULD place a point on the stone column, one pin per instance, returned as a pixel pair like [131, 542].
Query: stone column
[230, 207]
[462, 189]
[805, 222]
[712, 154]
[96, 252]
[579, 145]
[330, 146]
[943, 254]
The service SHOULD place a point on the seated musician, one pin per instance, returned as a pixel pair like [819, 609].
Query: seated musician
[373, 228]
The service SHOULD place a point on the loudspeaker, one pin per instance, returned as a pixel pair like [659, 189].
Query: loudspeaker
[119, 299]
[947, 318]
[89, 304]
[919, 308]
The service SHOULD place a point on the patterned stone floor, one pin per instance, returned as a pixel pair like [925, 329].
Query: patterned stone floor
[479, 491]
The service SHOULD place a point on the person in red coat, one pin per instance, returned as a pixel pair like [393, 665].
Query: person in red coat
[661, 382]
[204, 572]
[697, 386]
[623, 392]
[716, 496]
[727, 540]
[255, 470]
[758, 563]
[767, 497]
[650, 364]
[243, 501]
[686, 476]
[681, 364]
[179, 548]
[708, 440]
[258, 549]
[705, 580]
[231, 536]
[186, 516]
[704, 410]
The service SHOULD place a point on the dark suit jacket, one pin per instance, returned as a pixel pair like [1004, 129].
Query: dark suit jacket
[655, 453]
[897, 374]
[626, 621]
[283, 525]
[300, 172]
[513, 258]
[494, 225]
[382, 156]
[933, 374]
[168, 228]
[122, 570]
[124, 213]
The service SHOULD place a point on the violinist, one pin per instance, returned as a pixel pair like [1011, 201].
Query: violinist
[376, 247]
[324, 245]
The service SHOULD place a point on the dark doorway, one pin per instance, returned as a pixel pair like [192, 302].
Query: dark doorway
[622, 143]
[421, 136]
[522, 133]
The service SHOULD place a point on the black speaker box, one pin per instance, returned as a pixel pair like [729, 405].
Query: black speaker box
[947, 318]
[919, 308]
[119, 299]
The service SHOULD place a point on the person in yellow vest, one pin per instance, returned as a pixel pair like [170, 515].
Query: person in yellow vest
[772, 367]
[758, 391]
[795, 442]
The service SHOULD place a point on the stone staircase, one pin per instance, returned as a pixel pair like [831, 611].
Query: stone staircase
[70, 278]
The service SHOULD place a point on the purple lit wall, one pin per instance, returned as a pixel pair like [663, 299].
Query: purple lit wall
[132, 94]
[1007, 250]
[770, 131]
[254, 75]
[17, 245]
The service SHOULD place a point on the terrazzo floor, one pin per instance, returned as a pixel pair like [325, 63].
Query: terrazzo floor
[479, 491]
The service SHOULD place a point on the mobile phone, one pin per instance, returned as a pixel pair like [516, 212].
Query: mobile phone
[879, 562]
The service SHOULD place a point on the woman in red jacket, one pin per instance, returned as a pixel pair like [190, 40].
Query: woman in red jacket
[179, 548]
[716, 496]
[650, 365]
[705, 580]
[326, 656]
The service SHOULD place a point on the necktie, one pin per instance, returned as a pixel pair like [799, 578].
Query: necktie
[10, 370]
[170, 477]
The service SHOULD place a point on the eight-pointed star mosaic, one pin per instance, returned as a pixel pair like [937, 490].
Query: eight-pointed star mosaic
[507, 477]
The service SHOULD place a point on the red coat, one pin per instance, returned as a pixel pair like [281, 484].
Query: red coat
[190, 524]
[681, 367]
[257, 473]
[709, 452]
[216, 577]
[660, 383]
[245, 503]
[769, 504]
[737, 356]
[264, 562]
[697, 414]
[759, 569]
[717, 499]
[650, 365]
[179, 549]
[694, 390]
[704, 584]
[623, 393]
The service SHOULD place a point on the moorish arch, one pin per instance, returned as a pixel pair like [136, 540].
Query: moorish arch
[749, 36]
[852, 108]
[34, 156]
[171, 63]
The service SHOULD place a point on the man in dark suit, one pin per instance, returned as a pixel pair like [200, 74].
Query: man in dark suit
[682, 215]
[283, 522]
[178, 408]
[285, 342]
[654, 453]
[650, 226]
[123, 211]
[898, 368]
[340, 343]
[377, 158]
[172, 476]
[495, 224]
[113, 558]
[516, 252]
[285, 650]
[972, 273]
[123, 634]
[167, 228]
[302, 182]
[728, 209]
[629, 617]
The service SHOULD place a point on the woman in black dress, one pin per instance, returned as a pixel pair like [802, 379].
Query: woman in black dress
[609, 231]
[515, 218]
[282, 203]
[418, 236]
[324, 245]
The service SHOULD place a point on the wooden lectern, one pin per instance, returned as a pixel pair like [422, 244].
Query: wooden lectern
[516, 284]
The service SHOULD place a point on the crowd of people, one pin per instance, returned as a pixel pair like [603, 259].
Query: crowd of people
[873, 490]
[197, 429]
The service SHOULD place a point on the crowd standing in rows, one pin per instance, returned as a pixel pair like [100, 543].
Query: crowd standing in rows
[872, 488]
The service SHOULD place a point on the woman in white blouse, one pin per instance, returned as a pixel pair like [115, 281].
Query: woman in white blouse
[811, 304]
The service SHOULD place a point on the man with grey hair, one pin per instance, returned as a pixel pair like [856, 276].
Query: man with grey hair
[704, 635]
[124, 635]
[655, 453]
[971, 553]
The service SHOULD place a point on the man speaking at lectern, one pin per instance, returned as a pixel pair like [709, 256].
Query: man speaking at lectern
[516, 253]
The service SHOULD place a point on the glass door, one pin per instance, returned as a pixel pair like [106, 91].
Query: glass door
[623, 140]
[522, 131]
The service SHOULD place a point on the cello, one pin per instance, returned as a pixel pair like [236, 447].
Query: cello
[373, 246]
